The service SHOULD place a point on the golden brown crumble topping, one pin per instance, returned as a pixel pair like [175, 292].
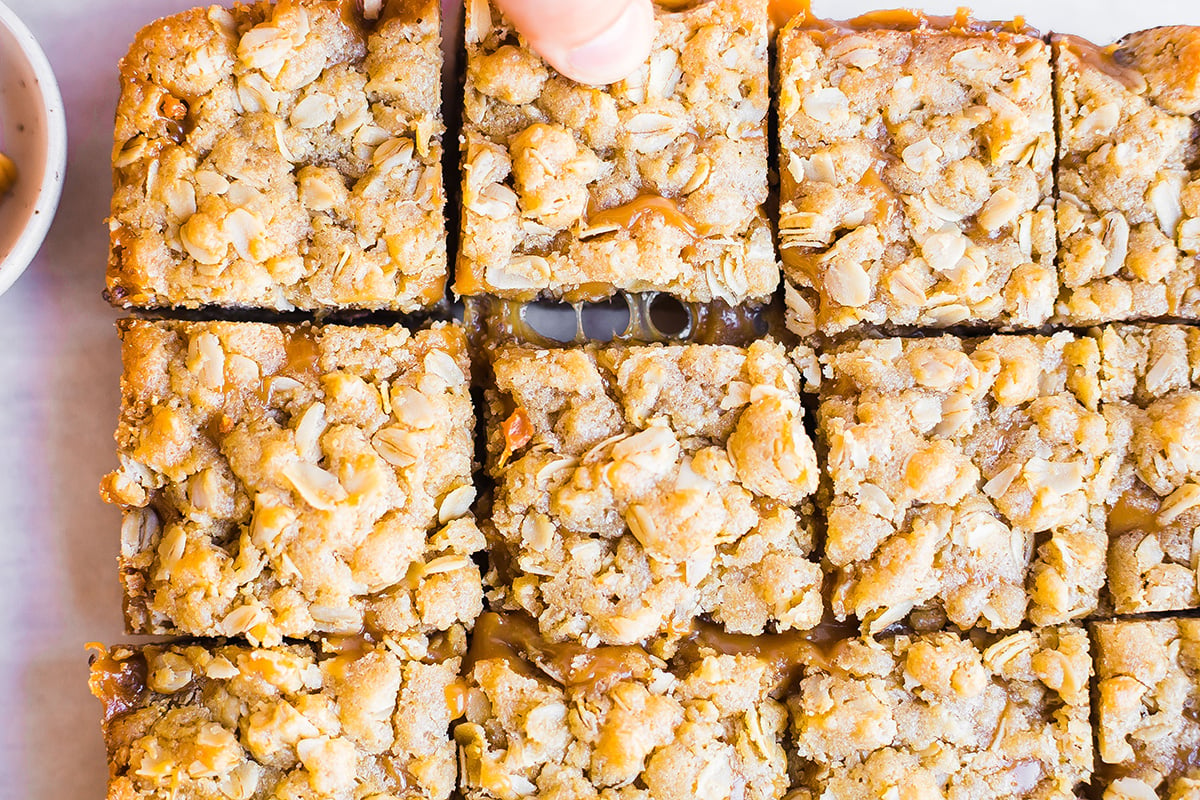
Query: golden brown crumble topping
[1128, 176]
[281, 156]
[969, 479]
[937, 715]
[1150, 379]
[1147, 730]
[646, 730]
[232, 722]
[652, 484]
[296, 480]
[916, 178]
[653, 183]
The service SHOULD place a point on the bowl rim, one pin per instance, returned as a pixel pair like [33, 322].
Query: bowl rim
[50, 191]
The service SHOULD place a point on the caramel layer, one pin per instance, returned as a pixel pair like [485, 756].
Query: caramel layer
[516, 639]
[799, 14]
[1106, 59]
[629, 215]
[119, 683]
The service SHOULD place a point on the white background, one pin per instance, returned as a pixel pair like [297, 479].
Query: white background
[59, 369]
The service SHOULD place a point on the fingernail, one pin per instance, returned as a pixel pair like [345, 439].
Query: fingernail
[618, 51]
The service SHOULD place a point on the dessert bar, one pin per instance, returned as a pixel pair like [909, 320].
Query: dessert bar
[915, 165]
[281, 156]
[1128, 194]
[1151, 384]
[293, 480]
[654, 183]
[939, 715]
[640, 486]
[969, 478]
[349, 720]
[563, 721]
[1147, 731]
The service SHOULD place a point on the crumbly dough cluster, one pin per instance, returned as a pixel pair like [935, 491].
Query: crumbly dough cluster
[939, 716]
[969, 479]
[232, 722]
[1128, 182]
[653, 183]
[637, 487]
[1151, 379]
[295, 480]
[1148, 734]
[916, 178]
[281, 156]
[708, 731]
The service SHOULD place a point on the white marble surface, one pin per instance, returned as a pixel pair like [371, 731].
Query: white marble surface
[59, 366]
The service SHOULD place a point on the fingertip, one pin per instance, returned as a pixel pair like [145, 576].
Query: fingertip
[612, 54]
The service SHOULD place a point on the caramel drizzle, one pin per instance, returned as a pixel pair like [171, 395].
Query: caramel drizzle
[798, 13]
[884, 200]
[517, 430]
[1102, 59]
[515, 638]
[302, 356]
[627, 216]
[303, 352]
[1136, 510]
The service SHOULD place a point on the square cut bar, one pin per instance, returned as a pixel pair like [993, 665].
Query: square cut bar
[969, 478]
[937, 715]
[563, 721]
[200, 722]
[1148, 687]
[638, 487]
[281, 156]
[1151, 378]
[916, 174]
[296, 480]
[1128, 176]
[654, 183]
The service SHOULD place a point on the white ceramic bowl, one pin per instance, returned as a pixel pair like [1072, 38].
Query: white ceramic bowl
[33, 133]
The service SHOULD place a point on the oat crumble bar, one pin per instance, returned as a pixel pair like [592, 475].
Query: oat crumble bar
[915, 169]
[281, 156]
[652, 183]
[287, 481]
[938, 715]
[638, 487]
[1128, 176]
[561, 721]
[1149, 686]
[968, 479]
[232, 722]
[1151, 382]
